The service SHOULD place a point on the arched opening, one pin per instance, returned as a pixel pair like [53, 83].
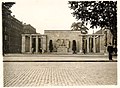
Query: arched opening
[74, 46]
[50, 45]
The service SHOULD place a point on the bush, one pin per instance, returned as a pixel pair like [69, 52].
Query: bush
[50, 46]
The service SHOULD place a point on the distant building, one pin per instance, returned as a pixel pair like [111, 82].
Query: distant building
[108, 37]
[12, 29]
[27, 28]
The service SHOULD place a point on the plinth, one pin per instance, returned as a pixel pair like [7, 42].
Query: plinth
[62, 50]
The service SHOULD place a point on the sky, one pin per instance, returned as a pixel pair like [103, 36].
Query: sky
[44, 14]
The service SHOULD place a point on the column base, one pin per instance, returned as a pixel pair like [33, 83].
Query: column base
[105, 53]
[101, 51]
[80, 51]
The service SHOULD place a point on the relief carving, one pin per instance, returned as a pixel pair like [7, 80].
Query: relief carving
[62, 42]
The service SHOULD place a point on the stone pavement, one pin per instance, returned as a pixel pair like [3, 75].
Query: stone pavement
[29, 74]
[56, 58]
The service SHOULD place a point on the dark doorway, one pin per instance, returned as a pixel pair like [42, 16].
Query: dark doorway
[50, 45]
[33, 44]
[84, 45]
[39, 45]
[74, 47]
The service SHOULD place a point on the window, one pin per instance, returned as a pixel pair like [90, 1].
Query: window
[6, 37]
[5, 29]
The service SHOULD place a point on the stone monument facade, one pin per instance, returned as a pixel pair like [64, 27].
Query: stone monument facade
[62, 42]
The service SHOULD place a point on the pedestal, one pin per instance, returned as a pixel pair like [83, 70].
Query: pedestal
[62, 50]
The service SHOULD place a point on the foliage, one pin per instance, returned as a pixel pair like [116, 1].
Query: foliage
[79, 27]
[97, 13]
[8, 5]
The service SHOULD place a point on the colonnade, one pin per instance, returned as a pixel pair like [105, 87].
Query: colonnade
[90, 41]
[36, 41]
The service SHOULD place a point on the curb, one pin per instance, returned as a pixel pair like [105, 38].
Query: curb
[60, 61]
[55, 56]
[51, 55]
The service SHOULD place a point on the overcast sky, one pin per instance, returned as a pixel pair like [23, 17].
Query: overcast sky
[44, 14]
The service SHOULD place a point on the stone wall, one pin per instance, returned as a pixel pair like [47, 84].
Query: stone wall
[54, 35]
[44, 43]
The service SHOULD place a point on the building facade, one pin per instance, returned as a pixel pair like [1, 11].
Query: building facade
[12, 29]
[33, 43]
[108, 38]
[28, 29]
[62, 41]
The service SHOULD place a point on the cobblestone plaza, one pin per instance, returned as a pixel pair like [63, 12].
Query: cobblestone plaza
[24, 74]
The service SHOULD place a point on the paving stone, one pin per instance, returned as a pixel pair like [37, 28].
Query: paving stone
[22, 74]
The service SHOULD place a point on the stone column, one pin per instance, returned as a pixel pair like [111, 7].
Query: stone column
[23, 43]
[41, 42]
[90, 44]
[81, 44]
[36, 43]
[87, 44]
[101, 45]
[94, 45]
[71, 46]
[44, 43]
[30, 44]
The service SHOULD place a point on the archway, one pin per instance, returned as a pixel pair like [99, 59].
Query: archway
[50, 45]
[74, 46]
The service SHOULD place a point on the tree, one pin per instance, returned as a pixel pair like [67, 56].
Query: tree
[50, 46]
[79, 27]
[97, 13]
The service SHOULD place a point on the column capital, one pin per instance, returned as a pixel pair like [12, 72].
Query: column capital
[30, 35]
[37, 35]
[23, 35]
[88, 36]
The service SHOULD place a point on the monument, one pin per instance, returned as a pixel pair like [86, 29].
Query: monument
[62, 41]
[62, 46]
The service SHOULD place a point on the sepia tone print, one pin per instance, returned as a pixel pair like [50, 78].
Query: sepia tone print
[66, 57]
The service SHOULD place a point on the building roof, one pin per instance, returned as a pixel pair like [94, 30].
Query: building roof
[99, 32]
